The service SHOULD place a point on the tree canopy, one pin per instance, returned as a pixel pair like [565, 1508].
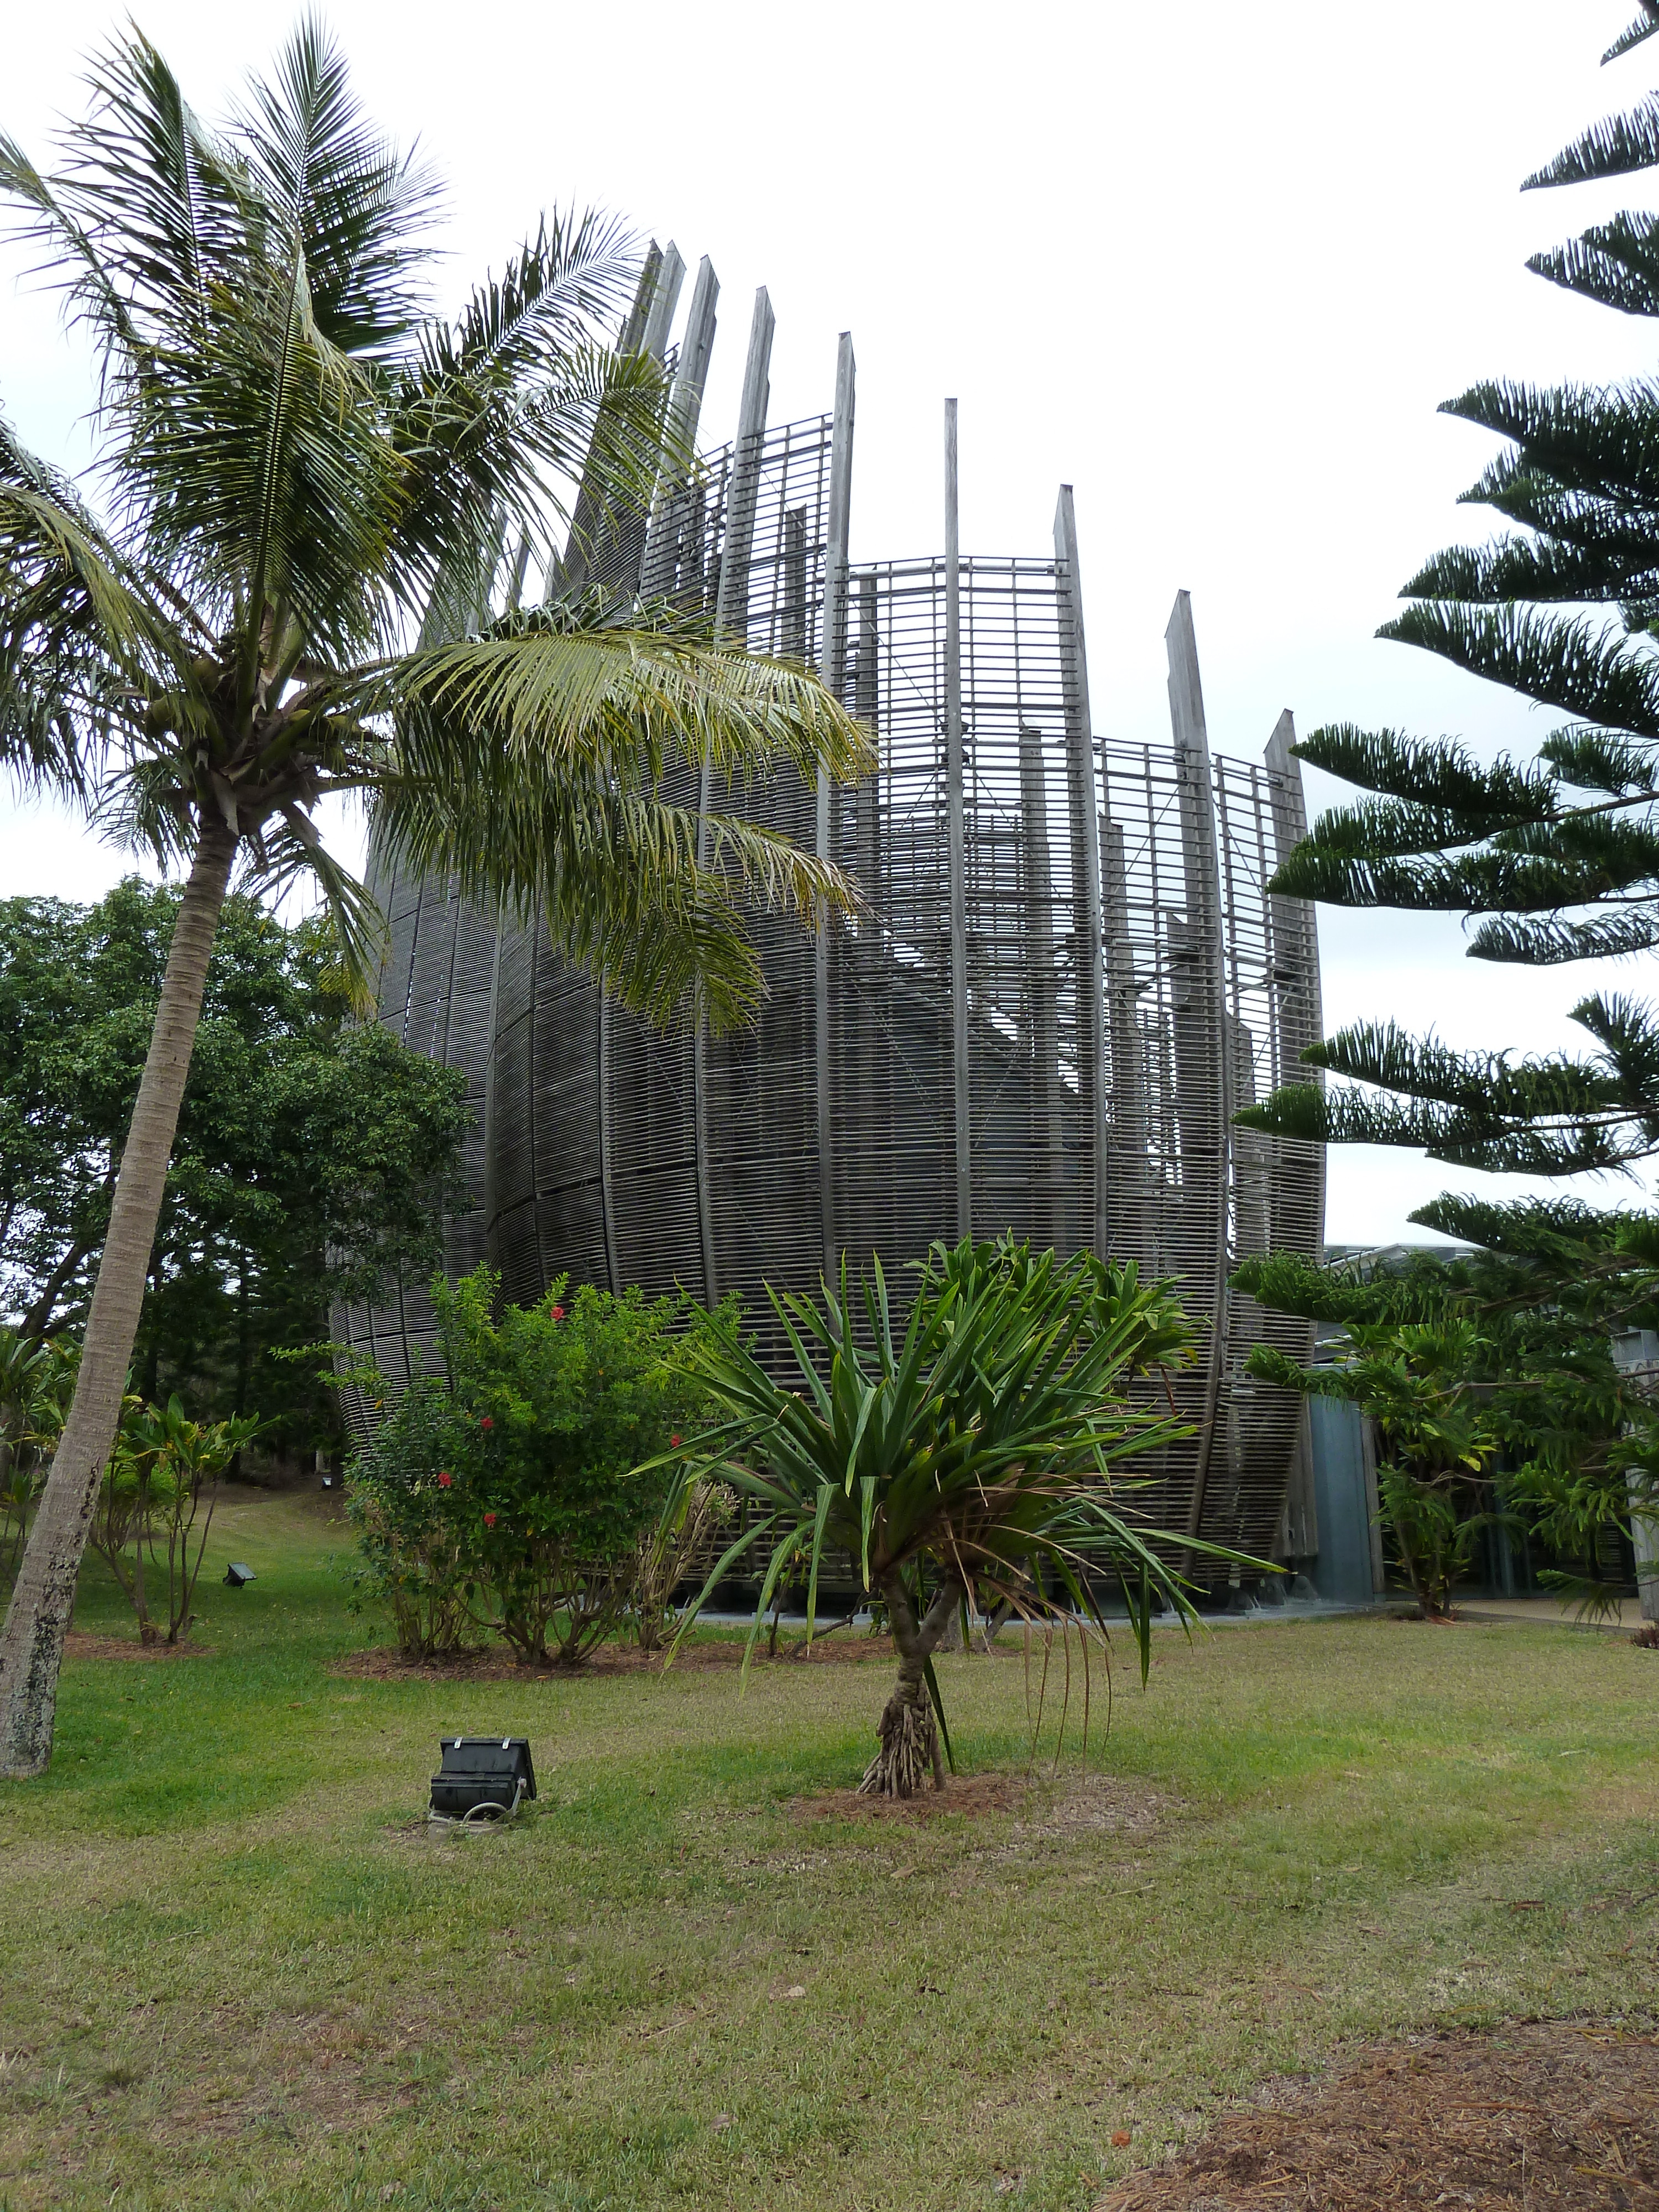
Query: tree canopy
[314, 1156]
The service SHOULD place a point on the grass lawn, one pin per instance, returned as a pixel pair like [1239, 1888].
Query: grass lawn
[237, 1969]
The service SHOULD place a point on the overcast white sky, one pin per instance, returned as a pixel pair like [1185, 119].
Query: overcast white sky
[1214, 266]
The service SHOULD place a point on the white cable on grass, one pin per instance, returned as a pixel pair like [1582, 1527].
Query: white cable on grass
[491, 1814]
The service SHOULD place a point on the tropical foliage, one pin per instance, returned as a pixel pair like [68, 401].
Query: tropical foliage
[156, 1507]
[1499, 1398]
[1557, 855]
[285, 591]
[313, 1159]
[501, 1493]
[35, 1381]
[979, 1458]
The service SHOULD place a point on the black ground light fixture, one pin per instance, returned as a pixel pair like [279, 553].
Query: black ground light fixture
[481, 1778]
[236, 1574]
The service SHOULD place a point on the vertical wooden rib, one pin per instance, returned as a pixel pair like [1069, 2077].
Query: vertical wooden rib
[833, 659]
[1086, 802]
[731, 616]
[1204, 1061]
[955, 781]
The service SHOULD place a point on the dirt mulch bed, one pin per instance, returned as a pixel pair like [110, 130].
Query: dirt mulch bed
[1549, 2116]
[78, 1645]
[494, 1663]
[1090, 1801]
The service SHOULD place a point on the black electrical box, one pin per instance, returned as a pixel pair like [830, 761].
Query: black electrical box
[482, 1773]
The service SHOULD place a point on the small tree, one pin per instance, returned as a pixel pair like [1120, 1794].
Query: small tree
[165, 1468]
[977, 1460]
[1439, 1436]
[1503, 1355]
[672, 1551]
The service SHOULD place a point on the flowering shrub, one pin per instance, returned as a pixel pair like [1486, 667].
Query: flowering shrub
[410, 1539]
[506, 1487]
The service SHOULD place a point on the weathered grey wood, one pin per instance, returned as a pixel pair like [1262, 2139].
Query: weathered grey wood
[1042, 1001]
[1086, 818]
[665, 298]
[672, 522]
[1295, 922]
[832, 663]
[1209, 1101]
[520, 563]
[631, 336]
[731, 617]
[588, 523]
[605, 1145]
[955, 780]
[696, 348]
[731, 603]
[1131, 1213]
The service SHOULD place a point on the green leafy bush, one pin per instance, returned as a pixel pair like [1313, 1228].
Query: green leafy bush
[35, 1381]
[505, 1489]
[410, 1536]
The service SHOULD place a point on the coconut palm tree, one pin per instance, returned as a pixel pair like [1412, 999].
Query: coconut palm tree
[978, 1459]
[298, 465]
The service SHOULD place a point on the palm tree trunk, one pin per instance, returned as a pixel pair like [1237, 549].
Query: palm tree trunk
[907, 1732]
[31, 1644]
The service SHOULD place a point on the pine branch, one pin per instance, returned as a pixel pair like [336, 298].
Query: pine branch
[1490, 1085]
[1619, 562]
[1512, 941]
[1644, 27]
[1616, 263]
[1595, 760]
[1618, 146]
[1428, 772]
[1597, 674]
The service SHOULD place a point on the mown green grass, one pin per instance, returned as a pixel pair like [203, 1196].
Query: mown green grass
[237, 1971]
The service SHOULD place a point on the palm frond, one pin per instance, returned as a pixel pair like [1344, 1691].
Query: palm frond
[162, 205]
[357, 206]
[623, 702]
[83, 643]
[483, 448]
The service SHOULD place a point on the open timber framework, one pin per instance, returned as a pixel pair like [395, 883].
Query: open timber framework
[1069, 975]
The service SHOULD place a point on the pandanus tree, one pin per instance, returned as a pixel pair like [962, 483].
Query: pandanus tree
[299, 464]
[975, 1460]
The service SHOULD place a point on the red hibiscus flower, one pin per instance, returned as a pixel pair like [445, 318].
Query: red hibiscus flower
[673, 1440]
[444, 1480]
[489, 1520]
[558, 1313]
[487, 1422]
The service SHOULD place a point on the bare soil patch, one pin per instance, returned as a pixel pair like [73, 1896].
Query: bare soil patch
[79, 1644]
[1545, 2116]
[1097, 1802]
[493, 1663]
